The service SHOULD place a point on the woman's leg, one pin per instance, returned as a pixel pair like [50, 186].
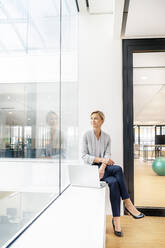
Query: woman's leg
[114, 199]
[117, 224]
[114, 194]
[129, 205]
[116, 171]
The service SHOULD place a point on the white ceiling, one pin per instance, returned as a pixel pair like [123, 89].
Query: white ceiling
[96, 6]
[146, 18]
[149, 104]
[149, 59]
[100, 6]
[150, 75]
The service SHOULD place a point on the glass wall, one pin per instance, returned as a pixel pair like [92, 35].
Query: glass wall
[38, 107]
[69, 90]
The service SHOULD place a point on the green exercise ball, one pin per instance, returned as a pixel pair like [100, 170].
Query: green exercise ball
[158, 166]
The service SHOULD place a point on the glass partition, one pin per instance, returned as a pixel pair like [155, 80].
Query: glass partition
[69, 88]
[38, 107]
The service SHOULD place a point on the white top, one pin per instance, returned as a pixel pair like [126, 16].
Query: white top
[98, 147]
[91, 148]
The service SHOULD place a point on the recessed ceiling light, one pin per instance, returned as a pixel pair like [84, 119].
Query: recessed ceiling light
[143, 77]
[8, 97]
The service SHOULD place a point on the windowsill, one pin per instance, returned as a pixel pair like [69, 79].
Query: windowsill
[75, 219]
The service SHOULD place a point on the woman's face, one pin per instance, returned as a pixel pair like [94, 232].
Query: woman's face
[52, 120]
[96, 121]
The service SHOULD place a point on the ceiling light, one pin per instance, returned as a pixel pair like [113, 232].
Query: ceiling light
[10, 113]
[143, 77]
[8, 97]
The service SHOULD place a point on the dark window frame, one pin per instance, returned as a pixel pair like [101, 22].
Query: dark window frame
[131, 46]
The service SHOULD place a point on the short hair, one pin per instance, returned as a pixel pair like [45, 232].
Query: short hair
[50, 114]
[100, 113]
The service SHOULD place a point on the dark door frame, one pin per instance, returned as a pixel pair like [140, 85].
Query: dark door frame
[131, 46]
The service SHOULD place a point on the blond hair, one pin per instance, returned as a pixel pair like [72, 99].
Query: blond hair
[100, 113]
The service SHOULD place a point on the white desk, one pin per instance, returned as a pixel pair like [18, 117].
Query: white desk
[75, 220]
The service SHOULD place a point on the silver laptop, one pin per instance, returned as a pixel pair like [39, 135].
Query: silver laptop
[85, 176]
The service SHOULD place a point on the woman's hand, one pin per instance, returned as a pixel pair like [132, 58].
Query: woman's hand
[102, 170]
[108, 161]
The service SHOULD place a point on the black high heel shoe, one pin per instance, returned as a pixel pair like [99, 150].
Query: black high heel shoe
[119, 234]
[141, 215]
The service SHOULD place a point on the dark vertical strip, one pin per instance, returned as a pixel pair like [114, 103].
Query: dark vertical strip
[77, 6]
[139, 139]
[87, 3]
[139, 135]
[155, 139]
[60, 126]
[125, 14]
[128, 118]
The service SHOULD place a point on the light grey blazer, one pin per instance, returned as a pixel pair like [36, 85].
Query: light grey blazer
[89, 146]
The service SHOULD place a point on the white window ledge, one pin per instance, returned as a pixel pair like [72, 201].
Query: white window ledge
[75, 219]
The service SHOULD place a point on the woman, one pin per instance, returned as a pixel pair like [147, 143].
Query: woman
[97, 151]
[53, 139]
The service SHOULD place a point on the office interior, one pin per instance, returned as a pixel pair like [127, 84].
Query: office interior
[60, 60]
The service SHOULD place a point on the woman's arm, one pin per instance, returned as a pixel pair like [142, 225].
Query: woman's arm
[89, 159]
[98, 160]
[102, 170]
[107, 155]
[107, 152]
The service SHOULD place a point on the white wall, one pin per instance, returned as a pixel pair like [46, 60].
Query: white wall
[100, 77]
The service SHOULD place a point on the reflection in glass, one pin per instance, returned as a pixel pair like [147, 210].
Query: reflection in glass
[38, 107]
[28, 133]
[16, 211]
